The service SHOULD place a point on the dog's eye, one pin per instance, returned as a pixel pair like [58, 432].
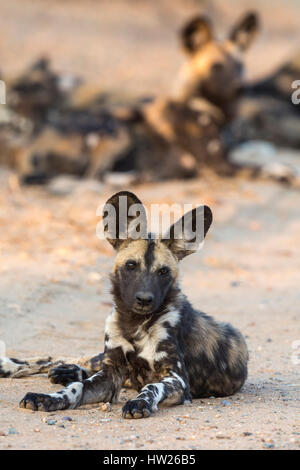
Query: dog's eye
[163, 271]
[131, 265]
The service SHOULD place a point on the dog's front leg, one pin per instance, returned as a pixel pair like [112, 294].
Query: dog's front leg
[172, 389]
[103, 386]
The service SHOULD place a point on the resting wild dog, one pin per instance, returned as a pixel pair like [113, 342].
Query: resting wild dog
[153, 337]
[179, 135]
[172, 137]
[267, 112]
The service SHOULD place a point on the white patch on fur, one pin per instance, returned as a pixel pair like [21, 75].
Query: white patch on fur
[150, 339]
[97, 374]
[8, 366]
[73, 398]
[157, 395]
[116, 339]
[174, 379]
[169, 380]
[171, 317]
[187, 402]
[183, 384]
[149, 342]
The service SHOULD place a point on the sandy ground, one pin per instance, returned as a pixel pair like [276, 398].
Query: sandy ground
[54, 293]
[52, 302]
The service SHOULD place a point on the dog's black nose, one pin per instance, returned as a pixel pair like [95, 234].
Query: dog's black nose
[144, 298]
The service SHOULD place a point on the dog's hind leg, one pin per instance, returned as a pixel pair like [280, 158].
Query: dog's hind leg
[16, 368]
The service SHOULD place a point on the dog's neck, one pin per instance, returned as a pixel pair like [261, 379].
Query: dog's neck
[129, 322]
[203, 105]
[221, 110]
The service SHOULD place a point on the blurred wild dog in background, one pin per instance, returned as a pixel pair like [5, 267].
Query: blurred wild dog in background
[184, 133]
[54, 125]
[172, 137]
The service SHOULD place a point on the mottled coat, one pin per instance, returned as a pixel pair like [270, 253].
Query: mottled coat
[154, 338]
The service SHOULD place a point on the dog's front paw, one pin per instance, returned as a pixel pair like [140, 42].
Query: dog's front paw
[136, 409]
[66, 374]
[42, 402]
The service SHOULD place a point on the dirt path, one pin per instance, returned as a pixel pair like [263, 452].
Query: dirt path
[52, 301]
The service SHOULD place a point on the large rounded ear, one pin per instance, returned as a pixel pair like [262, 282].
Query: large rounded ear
[124, 218]
[187, 234]
[196, 33]
[245, 30]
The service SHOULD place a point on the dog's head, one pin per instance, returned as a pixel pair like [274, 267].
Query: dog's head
[40, 89]
[214, 69]
[146, 269]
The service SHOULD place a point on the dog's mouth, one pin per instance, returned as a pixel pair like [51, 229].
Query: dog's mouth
[142, 310]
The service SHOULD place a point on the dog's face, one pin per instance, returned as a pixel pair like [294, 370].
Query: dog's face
[146, 269]
[214, 69]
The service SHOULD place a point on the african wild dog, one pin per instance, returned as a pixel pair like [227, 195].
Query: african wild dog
[214, 69]
[266, 110]
[153, 337]
[181, 134]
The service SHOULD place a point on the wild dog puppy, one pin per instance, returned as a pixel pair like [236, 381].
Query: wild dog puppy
[169, 351]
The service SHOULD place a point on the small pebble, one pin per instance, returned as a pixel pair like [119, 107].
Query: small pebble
[12, 431]
[268, 445]
[50, 422]
[106, 407]
[225, 403]
[67, 418]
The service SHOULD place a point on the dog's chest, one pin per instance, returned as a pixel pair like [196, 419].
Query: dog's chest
[143, 361]
[145, 349]
[147, 346]
[139, 370]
